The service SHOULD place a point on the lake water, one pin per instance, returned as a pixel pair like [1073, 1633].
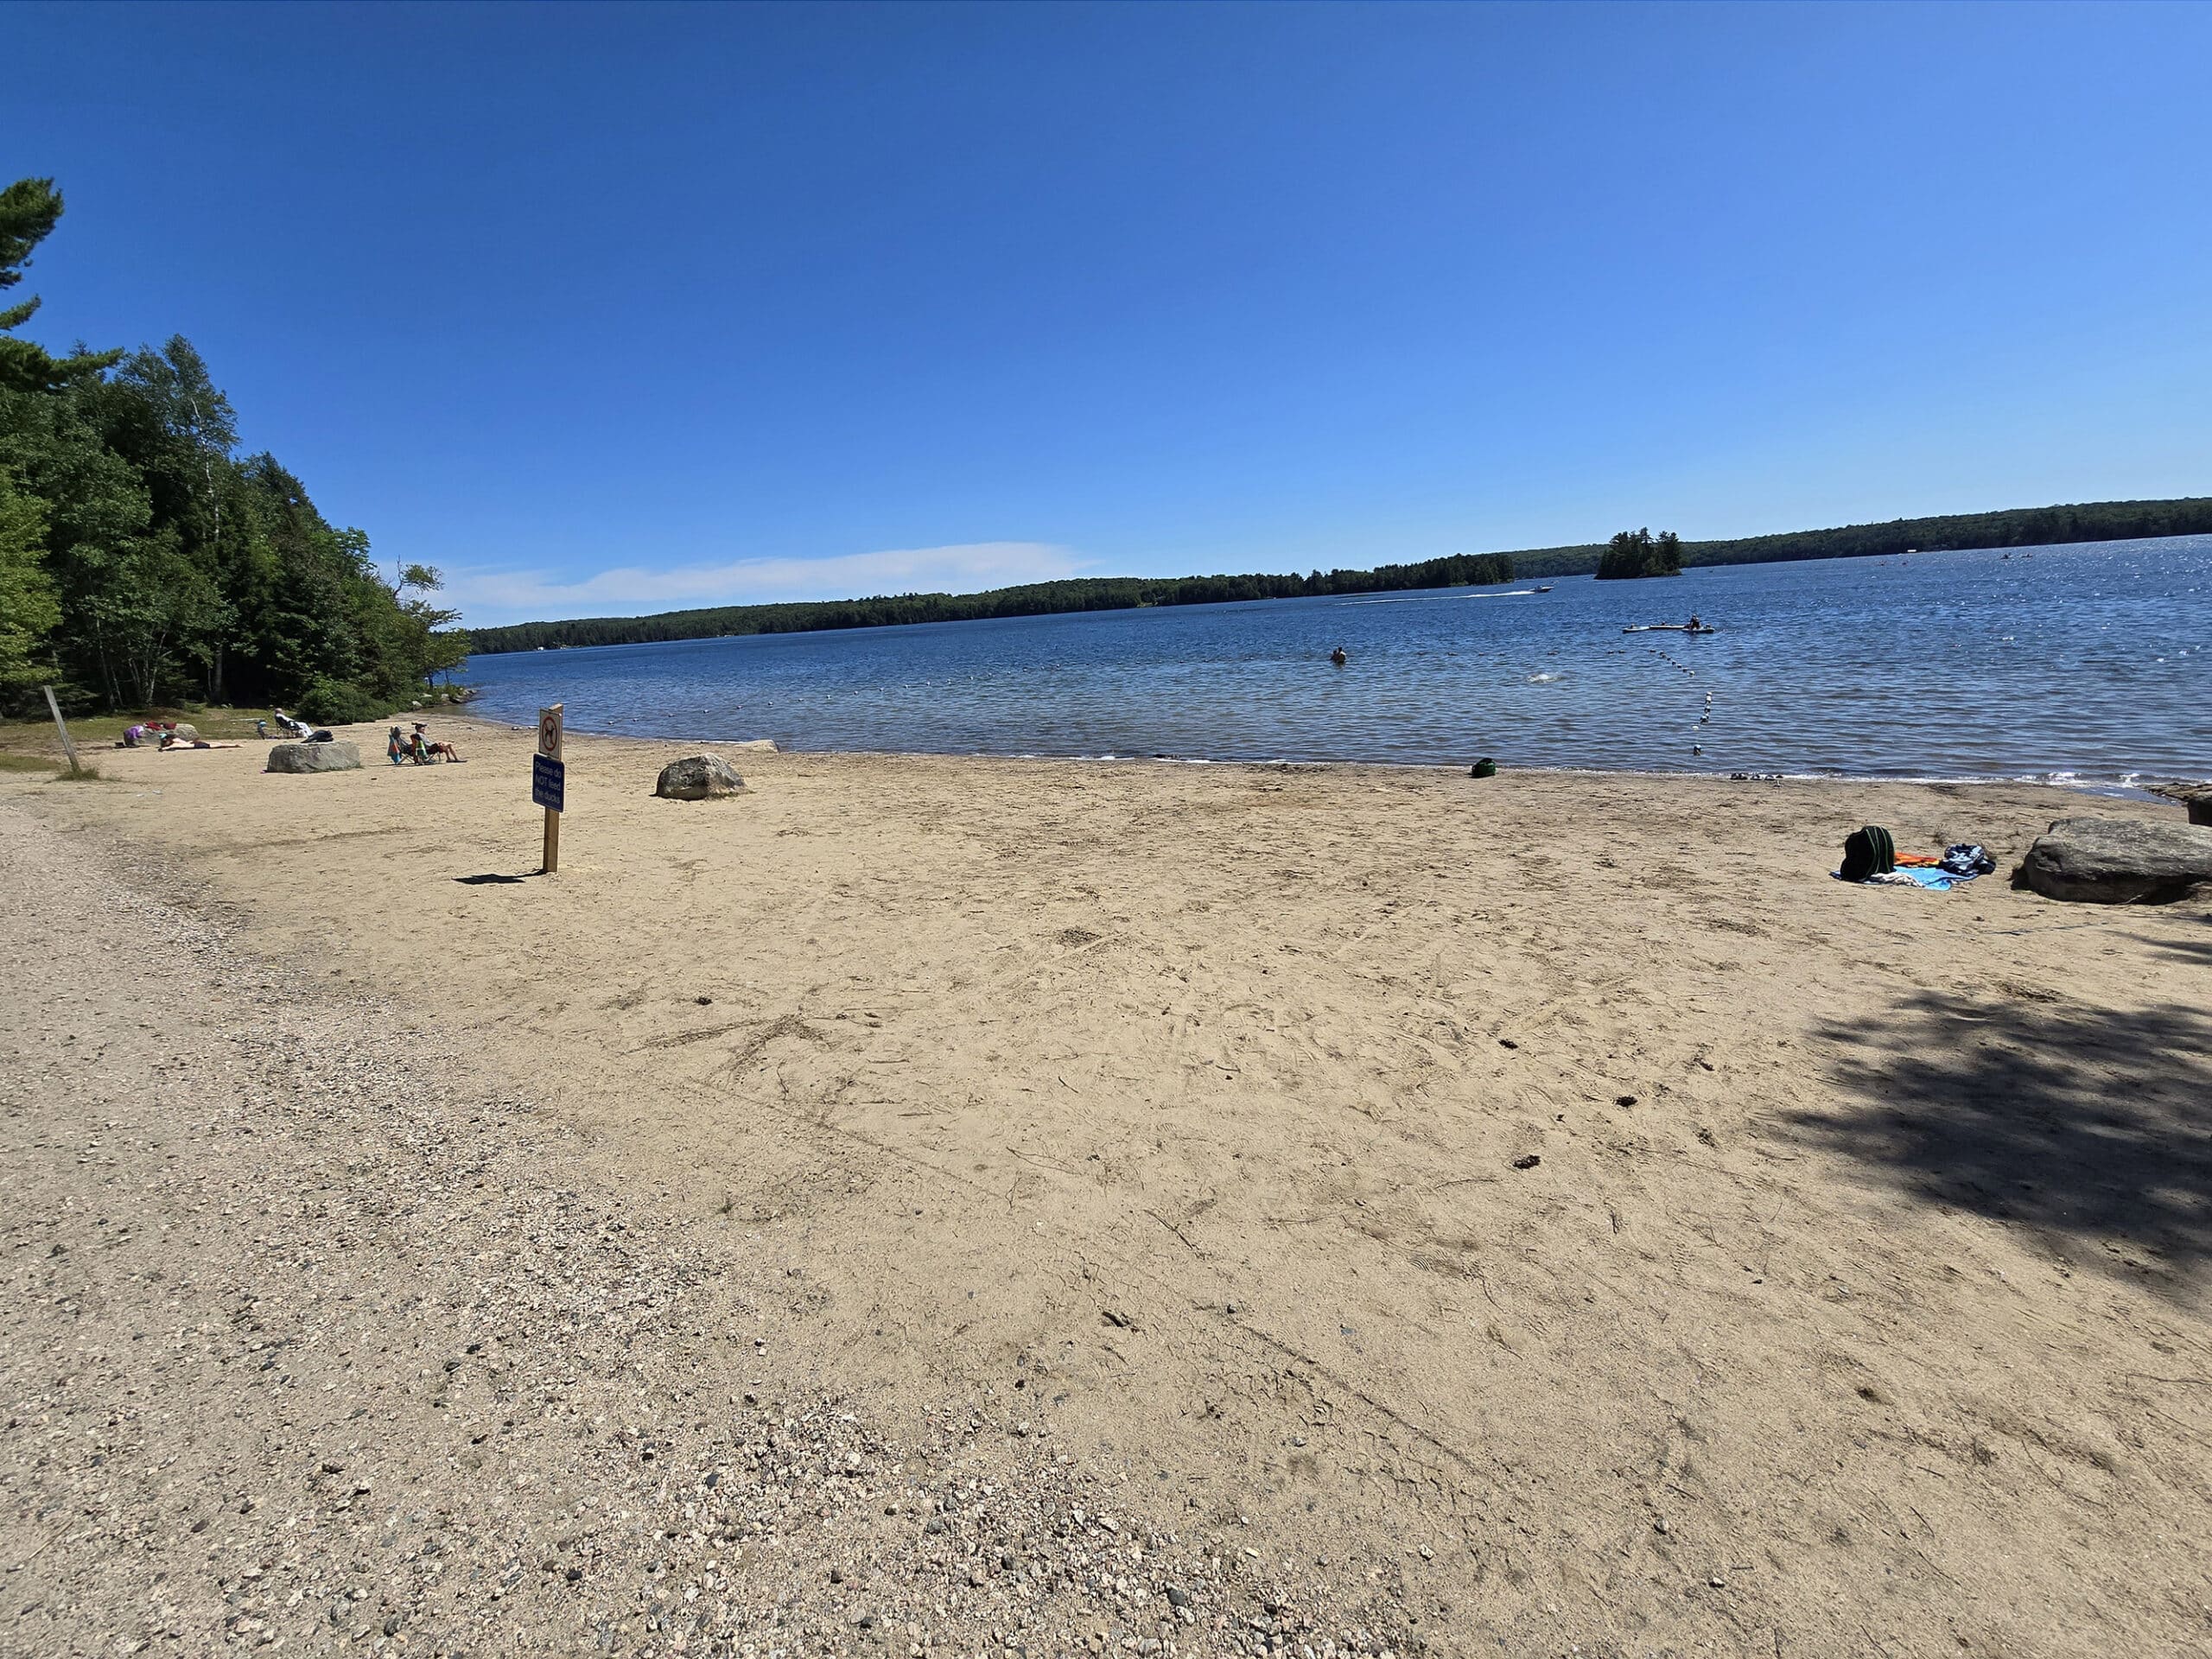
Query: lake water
[2091, 662]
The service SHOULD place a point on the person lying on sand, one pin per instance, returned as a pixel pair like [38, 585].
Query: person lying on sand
[171, 741]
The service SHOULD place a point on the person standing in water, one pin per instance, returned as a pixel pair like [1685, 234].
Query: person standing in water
[1338, 658]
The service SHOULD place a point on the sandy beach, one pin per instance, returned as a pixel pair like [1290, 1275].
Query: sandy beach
[1502, 1214]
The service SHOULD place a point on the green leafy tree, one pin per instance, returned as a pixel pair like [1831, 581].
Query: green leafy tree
[95, 509]
[29, 605]
[146, 557]
[29, 211]
[1639, 553]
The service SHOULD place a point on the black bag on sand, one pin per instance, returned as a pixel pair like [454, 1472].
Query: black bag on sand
[1967, 858]
[1867, 851]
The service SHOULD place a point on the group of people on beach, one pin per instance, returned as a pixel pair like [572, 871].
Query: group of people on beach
[401, 747]
[164, 735]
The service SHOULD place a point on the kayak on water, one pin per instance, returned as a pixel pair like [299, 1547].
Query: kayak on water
[1668, 628]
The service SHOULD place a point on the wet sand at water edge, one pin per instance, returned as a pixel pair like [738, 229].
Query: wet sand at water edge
[1548, 1200]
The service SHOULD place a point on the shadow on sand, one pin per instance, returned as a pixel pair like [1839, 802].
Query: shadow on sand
[2090, 1126]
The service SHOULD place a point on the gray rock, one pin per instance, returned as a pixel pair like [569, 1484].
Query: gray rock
[2117, 861]
[697, 777]
[314, 757]
[187, 731]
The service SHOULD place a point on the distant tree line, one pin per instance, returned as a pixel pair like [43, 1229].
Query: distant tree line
[1639, 553]
[2092, 521]
[143, 559]
[2096, 521]
[1032, 598]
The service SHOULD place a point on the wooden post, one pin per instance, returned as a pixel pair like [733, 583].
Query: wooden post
[62, 726]
[549, 745]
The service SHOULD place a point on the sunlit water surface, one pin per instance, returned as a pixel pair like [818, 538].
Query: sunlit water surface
[2089, 662]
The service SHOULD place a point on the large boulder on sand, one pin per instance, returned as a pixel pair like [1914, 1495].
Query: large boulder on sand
[2117, 861]
[697, 777]
[314, 757]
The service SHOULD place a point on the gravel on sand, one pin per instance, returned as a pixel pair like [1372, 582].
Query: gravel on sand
[311, 1345]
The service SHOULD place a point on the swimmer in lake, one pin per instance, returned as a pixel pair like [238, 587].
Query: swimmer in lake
[1338, 658]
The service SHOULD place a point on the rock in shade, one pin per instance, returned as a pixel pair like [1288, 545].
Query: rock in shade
[314, 757]
[697, 777]
[2117, 861]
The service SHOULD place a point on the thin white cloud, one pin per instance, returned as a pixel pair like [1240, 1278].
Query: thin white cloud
[489, 597]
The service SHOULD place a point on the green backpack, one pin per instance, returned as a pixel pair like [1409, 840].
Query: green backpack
[1867, 851]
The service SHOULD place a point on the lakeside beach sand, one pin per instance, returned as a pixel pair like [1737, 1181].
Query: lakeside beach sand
[1855, 1304]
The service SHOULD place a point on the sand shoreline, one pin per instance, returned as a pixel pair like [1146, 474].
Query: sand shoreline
[2132, 786]
[1860, 1229]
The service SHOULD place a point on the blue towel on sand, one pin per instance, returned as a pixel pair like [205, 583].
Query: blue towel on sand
[1940, 881]
[1920, 876]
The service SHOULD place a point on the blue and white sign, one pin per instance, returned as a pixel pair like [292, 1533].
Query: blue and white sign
[549, 782]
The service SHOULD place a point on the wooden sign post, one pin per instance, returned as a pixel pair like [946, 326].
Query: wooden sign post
[62, 726]
[549, 781]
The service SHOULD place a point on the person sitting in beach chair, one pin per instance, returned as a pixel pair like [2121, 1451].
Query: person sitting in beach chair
[395, 747]
[431, 751]
[288, 725]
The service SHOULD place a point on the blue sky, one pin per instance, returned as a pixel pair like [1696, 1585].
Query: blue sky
[604, 309]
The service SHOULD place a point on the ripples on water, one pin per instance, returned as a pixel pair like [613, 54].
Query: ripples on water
[2087, 661]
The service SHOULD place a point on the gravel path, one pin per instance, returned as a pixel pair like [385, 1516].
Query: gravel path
[318, 1338]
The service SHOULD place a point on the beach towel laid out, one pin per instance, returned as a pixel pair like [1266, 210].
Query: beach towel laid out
[1936, 880]
[1932, 881]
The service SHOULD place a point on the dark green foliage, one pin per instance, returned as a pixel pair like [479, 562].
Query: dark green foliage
[29, 209]
[337, 703]
[1034, 598]
[28, 607]
[1638, 553]
[171, 566]
[2093, 521]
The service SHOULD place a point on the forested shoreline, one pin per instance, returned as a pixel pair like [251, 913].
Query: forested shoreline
[143, 560]
[1032, 599]
[2093, 521]
[1956, 532]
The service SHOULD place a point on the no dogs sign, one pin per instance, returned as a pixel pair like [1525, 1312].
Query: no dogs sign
[549, 781]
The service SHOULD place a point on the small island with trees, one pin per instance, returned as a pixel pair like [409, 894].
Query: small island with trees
[1639, 553]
